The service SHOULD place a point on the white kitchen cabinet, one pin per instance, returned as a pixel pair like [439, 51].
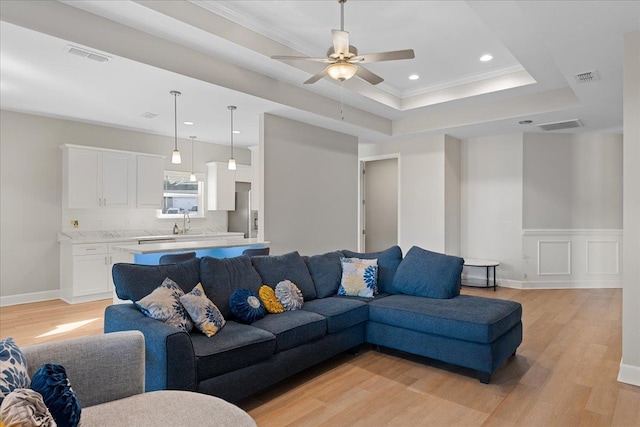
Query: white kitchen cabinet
[243, 173]
[149, 181]
[85, 272]
[221, 187]
[94, 178]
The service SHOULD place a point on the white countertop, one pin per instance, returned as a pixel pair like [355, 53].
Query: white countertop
[74, 237]
[193, 245]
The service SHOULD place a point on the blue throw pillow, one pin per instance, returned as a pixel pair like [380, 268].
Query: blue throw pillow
[291, 266]
[246, 306]
[388, 262]
[13, 368]
[429, 274]
[52, 383]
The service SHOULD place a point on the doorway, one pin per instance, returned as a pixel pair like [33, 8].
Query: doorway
[379, 204]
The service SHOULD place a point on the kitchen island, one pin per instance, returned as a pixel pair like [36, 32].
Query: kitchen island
[149, 254]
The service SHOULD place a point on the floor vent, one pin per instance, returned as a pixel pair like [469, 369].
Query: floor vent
[74, 50]
[567, 124]
[587, 77]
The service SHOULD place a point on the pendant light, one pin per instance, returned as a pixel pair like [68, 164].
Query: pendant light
[175, 156]
[232, 161]
[192, 177]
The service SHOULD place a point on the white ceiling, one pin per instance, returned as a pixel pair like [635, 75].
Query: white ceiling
[217, 54]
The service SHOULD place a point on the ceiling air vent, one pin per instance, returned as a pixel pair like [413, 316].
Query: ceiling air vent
[568, 124]
[75, 50]
[587, 77]
[148, 115]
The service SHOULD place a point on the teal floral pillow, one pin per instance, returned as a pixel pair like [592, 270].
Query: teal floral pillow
[359, 277]
[13, 368]
[164, 304]
[204, 313]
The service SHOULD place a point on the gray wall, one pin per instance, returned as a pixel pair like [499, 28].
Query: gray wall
[310, 187]
[30, 189]
[572, 181]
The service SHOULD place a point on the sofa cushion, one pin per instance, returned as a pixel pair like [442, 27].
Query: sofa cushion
[388, 262]
[363, 299]
[135, 281]
[429, 274]
[235, 346]
[341, 313]
[293, 328]
[464, 317]
[221, 276]
[326, 272]
[275, 269]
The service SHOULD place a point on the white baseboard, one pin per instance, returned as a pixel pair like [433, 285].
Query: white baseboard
[613, 284]
[629, 374]
[27, 298]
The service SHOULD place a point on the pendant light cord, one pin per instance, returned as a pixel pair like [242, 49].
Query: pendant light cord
[175, 121]
[232, 132]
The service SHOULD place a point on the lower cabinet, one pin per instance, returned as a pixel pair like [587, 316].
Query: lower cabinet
[85, 272]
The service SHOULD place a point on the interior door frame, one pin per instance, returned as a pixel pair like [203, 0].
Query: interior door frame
[361, 219]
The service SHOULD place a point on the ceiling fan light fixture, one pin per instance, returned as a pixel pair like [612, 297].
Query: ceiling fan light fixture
[342, 71]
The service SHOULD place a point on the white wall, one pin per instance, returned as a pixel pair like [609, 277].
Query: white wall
[422, 189]
[630, 364]
[30, 188]
[310, 187]
[452, 184]
[572, 181]
[491, 204]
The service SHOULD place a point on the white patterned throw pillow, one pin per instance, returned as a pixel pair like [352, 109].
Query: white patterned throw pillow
[13, 368]
[203, 311]
[359, 277]
[289, 295]
[164, 304]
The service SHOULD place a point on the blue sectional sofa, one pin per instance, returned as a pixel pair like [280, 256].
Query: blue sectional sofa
[418, 309]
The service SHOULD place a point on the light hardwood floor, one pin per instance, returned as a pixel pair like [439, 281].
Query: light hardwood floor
[564, 373]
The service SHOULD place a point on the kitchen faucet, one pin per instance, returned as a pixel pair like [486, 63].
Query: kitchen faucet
[185, 220]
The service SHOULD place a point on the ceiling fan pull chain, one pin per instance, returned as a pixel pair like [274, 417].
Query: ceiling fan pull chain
[342, 100]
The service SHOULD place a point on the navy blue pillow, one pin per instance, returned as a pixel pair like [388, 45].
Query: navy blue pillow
[388, 262]
[52, 383]
[429, 274]
[136, 281]
[221, 276]
[326, 272]
[246, 306]
[291, 266]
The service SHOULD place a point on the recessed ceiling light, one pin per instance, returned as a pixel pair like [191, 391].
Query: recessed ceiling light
[236, 131]
[188, 123]
[486, 58]
[414, 77]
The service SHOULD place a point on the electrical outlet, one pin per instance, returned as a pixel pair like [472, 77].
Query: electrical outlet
[74, 223]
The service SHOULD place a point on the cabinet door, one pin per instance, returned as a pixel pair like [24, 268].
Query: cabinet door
[90, 274]
[221, 187]
[243, 174]
[149, 182]
[117, 179]
[84, 179]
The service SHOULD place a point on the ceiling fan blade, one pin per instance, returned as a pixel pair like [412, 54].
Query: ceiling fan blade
[302, 58]
[340, 42]
[317, 76]
[368, 76]
[384, 56]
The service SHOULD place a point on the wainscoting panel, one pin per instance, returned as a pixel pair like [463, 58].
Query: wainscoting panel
[571, 259]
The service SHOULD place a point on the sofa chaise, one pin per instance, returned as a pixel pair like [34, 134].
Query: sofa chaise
[418, 309]
[107, 374]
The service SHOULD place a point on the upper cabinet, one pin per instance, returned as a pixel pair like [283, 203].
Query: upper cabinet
[99, 178]
[221, 187]
[243, 173]
[150, 176]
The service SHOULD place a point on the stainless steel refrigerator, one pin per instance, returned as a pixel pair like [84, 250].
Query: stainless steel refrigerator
[243, 219]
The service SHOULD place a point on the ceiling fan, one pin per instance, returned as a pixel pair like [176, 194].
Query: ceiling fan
[344, 61]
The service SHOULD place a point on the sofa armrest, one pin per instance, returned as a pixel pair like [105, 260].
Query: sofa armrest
[101, 368]
[170, 362]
